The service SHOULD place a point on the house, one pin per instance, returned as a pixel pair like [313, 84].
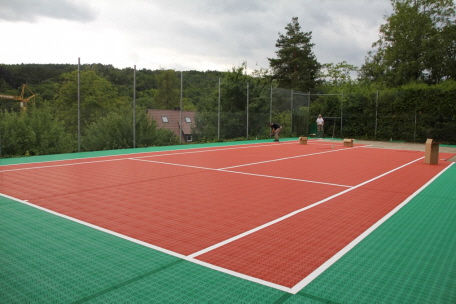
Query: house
[170, 119]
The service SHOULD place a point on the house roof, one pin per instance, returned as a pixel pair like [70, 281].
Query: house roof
[173, 118]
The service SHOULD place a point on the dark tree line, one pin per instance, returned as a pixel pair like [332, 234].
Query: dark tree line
[412, 64]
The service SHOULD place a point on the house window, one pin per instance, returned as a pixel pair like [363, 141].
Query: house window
[188, 119]
[165, 118]
[189, 137]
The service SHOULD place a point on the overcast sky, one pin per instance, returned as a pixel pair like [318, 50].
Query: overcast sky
[183, 34]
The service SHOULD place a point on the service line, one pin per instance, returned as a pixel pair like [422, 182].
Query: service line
[239, 236]
[239, 172]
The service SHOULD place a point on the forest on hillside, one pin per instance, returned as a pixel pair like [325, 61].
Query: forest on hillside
[405, 91]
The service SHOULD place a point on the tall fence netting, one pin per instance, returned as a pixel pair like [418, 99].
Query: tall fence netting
[224, 110]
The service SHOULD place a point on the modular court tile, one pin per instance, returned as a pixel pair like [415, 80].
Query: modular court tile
[408, 259]
[48, 259]
[45, 258]
[286, 252]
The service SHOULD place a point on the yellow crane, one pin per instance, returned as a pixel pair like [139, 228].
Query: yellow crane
[21, 98]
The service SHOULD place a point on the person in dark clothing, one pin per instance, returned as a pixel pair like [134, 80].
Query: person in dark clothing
[275, 130]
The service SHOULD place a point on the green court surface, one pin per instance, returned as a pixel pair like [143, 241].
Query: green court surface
[45, 258]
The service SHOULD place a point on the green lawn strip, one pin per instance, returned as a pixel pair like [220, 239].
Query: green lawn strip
[45, 258]
[48, 259]
[82, 155]
[191, 283]
[409, 259]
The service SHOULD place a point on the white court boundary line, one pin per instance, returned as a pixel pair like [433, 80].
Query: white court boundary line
[148, 156]
[154, 247]
[307, 280]
[290, 157]
[125, 157]
[240, 146]
[64, 165]
[239, 172]
[192, 257]
[239, 236]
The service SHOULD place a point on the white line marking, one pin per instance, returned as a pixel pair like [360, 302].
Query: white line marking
[285, 178]
[238, 172]
[64, 165]
[240, 275]
[285, 158]
[213, 150]
[171, 164]
[160, 249]
[191, 258]
[124, 154]
[26, 202]
[244, 234]
[362, 236]
[128, 156]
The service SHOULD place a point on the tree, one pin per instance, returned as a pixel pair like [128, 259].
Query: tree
[235, 87]
[337, 75]
[35, 132]
[417, 44]
[167, 97]
[115, 131]
[98, 97]
[296, 66]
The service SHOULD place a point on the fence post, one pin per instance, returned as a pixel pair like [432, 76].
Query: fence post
[180, 112]
[270, 108]
[79, 104]
[134, 107]
[414, 131]
[218, 115]
[247, 136]
[291, 108]
[376, 116]
[341, 114]
[308, 114]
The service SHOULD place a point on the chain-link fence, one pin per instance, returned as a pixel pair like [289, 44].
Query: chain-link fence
[219, 110]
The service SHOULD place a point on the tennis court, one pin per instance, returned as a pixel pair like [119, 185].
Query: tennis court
[248, 222]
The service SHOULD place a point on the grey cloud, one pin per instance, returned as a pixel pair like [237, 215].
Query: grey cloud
[31, 10]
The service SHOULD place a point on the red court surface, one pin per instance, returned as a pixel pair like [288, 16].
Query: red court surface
[181, 202]
[288, 251]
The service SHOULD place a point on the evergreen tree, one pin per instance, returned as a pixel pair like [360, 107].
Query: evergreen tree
[167, 96]
[296, 66]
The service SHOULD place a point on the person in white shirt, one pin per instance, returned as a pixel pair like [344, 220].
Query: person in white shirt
[320, 124]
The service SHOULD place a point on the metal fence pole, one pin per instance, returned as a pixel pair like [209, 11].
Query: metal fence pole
[291, 108]
[79, 104]
[218, 114]
[308, 115]
[180, 109]
[341, 114]
[247, 136]
[376, 116]
[134, 107]
[270, 108]
[414, 131]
